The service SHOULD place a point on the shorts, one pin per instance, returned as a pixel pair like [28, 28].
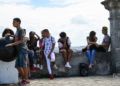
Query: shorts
[22, 59]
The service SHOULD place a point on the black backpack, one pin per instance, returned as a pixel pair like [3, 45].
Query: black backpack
[84, 69]
[7, 54]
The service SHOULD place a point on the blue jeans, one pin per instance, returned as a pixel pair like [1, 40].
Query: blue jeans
[31, 57]
[91, 55]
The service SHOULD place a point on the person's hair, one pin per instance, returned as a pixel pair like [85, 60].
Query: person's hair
[45, 30]
[17, 20]
[62, 34]
[105, 28]
[31, 32]
[92, 35]
[7, 30]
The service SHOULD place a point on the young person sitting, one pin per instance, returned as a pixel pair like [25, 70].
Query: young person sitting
[91, 48]
[104, 47]
[49, 45]
[64, 44]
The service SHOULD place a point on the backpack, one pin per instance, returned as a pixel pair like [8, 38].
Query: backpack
[84, 69]
[7, 54]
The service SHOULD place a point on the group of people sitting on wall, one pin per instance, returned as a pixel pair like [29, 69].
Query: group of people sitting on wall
[28, 59]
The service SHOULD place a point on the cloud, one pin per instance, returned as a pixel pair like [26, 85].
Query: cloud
[14, 1]
[75, 19]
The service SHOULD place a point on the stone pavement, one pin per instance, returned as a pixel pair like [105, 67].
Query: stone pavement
[76, 81]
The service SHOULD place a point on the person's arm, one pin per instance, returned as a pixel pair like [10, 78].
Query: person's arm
[21, 40]
[53, 46]
[107, 43]
[89, 42]
[38, 37]
[69, 42]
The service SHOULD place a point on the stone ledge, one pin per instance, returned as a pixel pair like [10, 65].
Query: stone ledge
[102, 65]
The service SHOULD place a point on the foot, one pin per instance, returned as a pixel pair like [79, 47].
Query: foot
[51, 77]
[68, 65]
[33, 69]
[25, 82]
[41, 67]
[55, 67]
[90, 66]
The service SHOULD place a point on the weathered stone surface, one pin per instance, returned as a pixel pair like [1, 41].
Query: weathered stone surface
[114, 8]
[102, 65]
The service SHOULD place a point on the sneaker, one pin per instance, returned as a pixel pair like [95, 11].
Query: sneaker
[27, 82]
[33, 69]
[55, 66]
[51, 77]
[68, 65]
[38, 66]
[90, 66]
[41, 67]
[23, 82]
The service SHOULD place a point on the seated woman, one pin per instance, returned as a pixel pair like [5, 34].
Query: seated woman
[91, 48]
[32, 46]
[64, 48]
[106, 41]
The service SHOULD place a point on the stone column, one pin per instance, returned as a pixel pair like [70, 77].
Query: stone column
[113, 6]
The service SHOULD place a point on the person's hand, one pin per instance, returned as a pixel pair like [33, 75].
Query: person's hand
[8, 45]
[97, 45]
[49, 55]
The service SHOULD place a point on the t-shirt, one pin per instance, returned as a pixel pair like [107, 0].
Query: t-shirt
[60, 44]
[20, 34]
[106, 41]
[32, 44]
[48, 42]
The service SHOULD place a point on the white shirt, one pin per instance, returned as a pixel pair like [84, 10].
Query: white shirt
[48, 42]
[60, 45]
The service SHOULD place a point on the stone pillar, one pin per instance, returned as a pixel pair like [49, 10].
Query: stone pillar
[113, 6]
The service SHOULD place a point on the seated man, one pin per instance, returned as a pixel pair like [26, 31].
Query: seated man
[64, 48]
[106, 41]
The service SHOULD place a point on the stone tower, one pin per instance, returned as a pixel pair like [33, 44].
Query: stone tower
[113, 6]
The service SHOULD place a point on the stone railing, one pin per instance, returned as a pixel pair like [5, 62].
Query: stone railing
[102, 65]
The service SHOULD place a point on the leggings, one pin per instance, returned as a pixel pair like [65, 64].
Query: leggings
[91, 55]
[49, 60]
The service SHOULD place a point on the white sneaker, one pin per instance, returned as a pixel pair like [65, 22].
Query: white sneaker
[38, 66]
[55, 66]
[68, 65]
[35, 65]
[41, 67]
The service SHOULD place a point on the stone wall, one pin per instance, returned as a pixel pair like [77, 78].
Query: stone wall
[102, 65]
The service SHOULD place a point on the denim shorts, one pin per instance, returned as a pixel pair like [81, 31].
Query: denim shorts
[22, 59]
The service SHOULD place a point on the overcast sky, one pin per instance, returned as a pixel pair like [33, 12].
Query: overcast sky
[76, 17]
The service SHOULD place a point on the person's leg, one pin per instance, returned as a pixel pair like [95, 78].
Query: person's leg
[25, 65]
[21, 72]
[64, 54]
[53, 61]
[31, 58]
[69, 56]
[88, 54]
[93, 53]
[41, 59]
[49, 66]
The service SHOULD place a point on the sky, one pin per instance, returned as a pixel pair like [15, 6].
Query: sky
[76, 17]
